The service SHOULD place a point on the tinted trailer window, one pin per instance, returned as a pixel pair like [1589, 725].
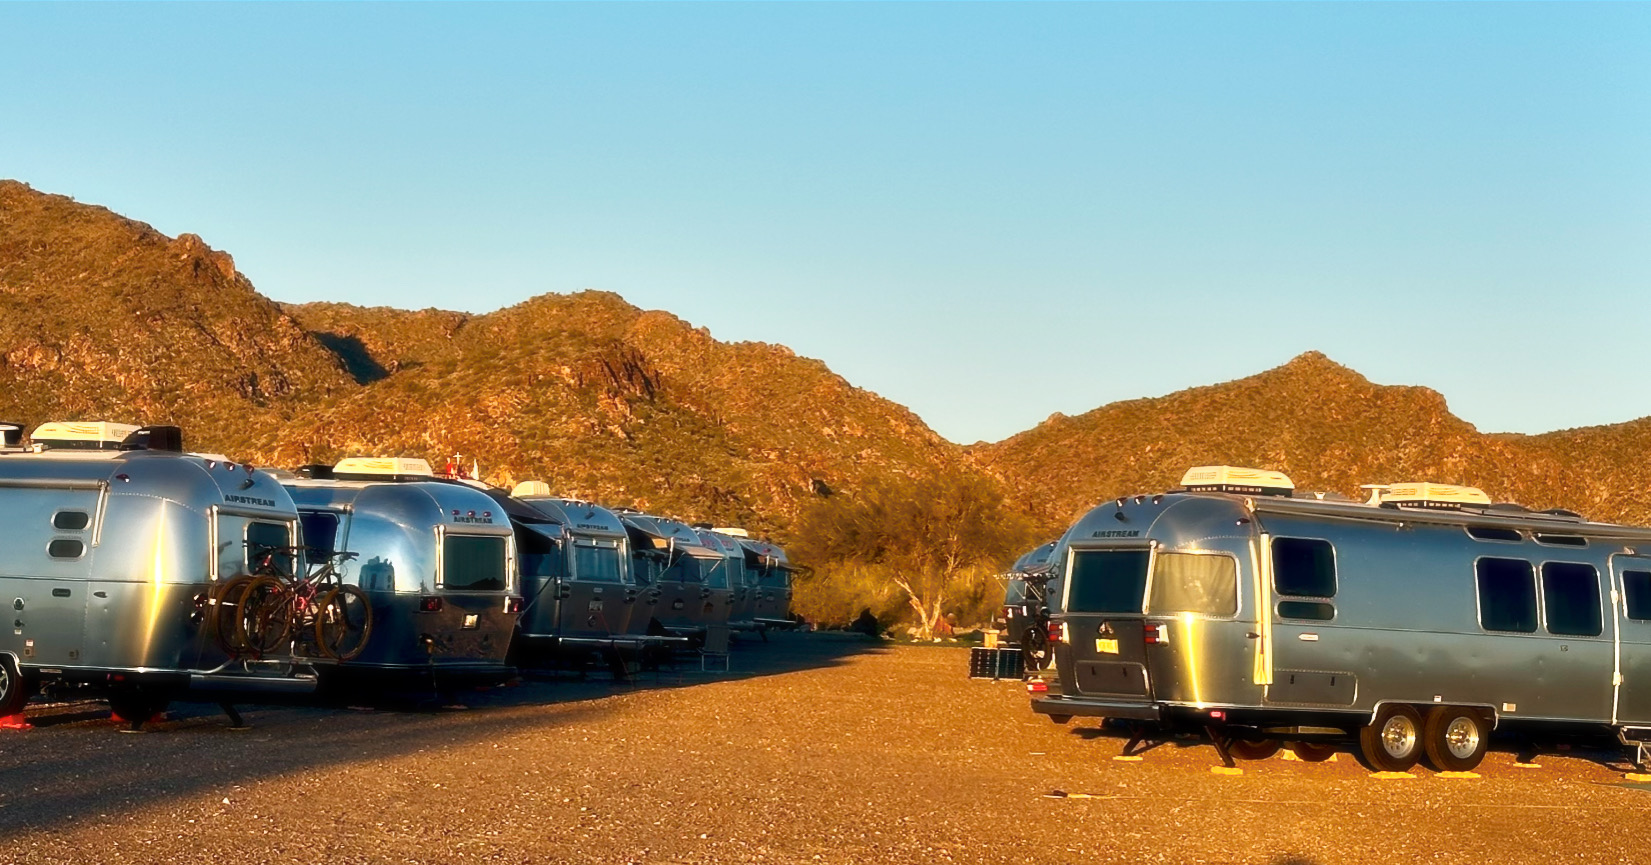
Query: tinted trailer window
[597, 564]
[1507, 595]
[1107, 581]
[471, 563]
[262, 539]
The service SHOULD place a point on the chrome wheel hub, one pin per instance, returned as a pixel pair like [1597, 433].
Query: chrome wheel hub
[1399, 736]
[1462, 738]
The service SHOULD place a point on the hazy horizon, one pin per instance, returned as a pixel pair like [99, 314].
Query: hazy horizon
[988, 213]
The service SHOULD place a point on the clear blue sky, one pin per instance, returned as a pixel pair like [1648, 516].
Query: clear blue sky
[986, 212]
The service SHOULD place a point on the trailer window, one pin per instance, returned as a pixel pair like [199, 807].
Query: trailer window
[71, 521]
[1492, 533]
[1507, 595]
[537, 554]
[774, 578]
[473, 563]
[1189, 583]
[1560, 540]
[1304, 568]
[1636, 590]
[266, 544]
[320, 533]
[1107, 581]
[715, 572]
[596, 564]
[1316, 610]
[65, 548]
[1570, 599]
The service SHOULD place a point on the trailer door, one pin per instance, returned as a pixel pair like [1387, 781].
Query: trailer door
[1104, 652]
[1632, 593]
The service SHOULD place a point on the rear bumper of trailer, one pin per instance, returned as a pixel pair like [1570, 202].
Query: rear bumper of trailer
[1084, 708]
[778, 624]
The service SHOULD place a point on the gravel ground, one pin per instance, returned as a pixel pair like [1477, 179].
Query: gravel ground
[817, 748]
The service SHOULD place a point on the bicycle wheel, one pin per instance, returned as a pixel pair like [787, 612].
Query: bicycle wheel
[224, 609]
[266, 615]
[343, 622]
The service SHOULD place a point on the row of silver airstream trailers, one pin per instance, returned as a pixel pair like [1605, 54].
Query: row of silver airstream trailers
[115, 540]
[1416, 622]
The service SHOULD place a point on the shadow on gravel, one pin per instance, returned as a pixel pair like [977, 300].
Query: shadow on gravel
[76, 767]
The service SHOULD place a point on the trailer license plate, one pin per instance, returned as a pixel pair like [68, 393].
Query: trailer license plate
[1108, 646]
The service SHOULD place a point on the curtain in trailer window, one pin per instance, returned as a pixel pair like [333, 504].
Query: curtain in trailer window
[472, 563]
[1188, 583]
[1108, 581]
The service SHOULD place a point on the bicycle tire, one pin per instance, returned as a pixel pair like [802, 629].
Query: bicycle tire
[265, 619]
[344, 623]
[223, 611]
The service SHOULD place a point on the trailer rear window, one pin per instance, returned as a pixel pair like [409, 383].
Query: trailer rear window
[1507, 595]
[1493, 533]
[715, 572]
[774, 578]
[320, 533]
[1189, 583]
[1107, 581]
[596, 563]
[473, 563]
[1304, 567]
[266, 545]
[71, 521]
[1570, 599]
[64, 548]
[1636, 591]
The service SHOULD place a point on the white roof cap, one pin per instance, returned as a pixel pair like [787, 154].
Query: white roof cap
[383, 466]
[1431, 495]
[1236, 479]
[86, 431]
[733, 532]
[531, 488]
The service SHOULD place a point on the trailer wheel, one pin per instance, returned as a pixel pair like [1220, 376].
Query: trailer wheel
[1313, 752]
[1259, 749]
[1455, 738]
[14, 689]
[1393, 742]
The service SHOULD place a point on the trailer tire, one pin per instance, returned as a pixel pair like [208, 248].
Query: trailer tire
[1393, 741]
[14, 689]
[1313, 752]
[1254, 749]
[1456, 738]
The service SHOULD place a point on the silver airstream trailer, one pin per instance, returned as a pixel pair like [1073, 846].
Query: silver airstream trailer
[1418, 621]
[582, 601]
[110, 556]
[668, 555]
[1025, 611]
[741, 584]
[437, 560]
[772, 570]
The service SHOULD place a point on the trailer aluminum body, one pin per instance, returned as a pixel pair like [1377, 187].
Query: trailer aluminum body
[773, 574]
[1285, 617]
[581, 595]
[438, 563]
[669, 556]
[106, 563]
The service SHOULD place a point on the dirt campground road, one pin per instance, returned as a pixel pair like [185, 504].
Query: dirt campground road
[817, 749]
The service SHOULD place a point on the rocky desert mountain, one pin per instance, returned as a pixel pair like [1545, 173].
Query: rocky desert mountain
[104, 317]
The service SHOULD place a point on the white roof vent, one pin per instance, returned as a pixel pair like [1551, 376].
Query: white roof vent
[86, 436]
[538, 489]
[733, 532]
[1421, 494]
[382, 469]
[1237, 479]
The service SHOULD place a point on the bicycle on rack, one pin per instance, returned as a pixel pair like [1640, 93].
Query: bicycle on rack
[258, 613]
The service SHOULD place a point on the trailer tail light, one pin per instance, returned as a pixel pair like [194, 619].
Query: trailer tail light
[430, 604]
[514, 605]
[1037, 686]
[1057, 632]
[1154, 634]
